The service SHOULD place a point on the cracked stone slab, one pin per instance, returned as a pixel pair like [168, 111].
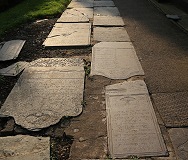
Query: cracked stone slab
[131, 121]
[69, 34]
[106, 11]
[81, 4]
[14, 69]
[115, 60]
[179, 138]
[104, 4]
[76, 15]
[111, 34]
[11, 49]
[43, 95]
[24, 147]
[108, 21]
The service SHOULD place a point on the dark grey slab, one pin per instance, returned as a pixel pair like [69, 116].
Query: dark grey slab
[131, 122]
[11, 49]
[104, 4]
[173, 108]
[24, 147]
[43, 95]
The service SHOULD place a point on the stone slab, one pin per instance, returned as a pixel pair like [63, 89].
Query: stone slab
[76, 15]
[106, 11]
[131, 122]
[172, 107]
[104, 4]
[108, 21]
[115, 60]
[81, 4]
[179, 138]
[69, 34]
[24, 147]
[11, 50]
[111, 34]
[14, 69]
[43, 95]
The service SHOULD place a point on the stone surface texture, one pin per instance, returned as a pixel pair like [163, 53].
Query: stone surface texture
[104, 4]
[81, 4]
[11, 49]
[69, 34]
[76, 15]
[43, 95]
[179, 137]
[24, 147]
[14, 69]
[111, 34]
[131, 121]
[115, 60]
[106, 11]
[108, 21]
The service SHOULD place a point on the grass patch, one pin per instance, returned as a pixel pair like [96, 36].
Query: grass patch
[30, 10]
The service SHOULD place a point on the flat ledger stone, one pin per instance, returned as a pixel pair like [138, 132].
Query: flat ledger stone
[115, 60]
[14, 69]
[106, 11]
[108, 21]
[131, 122]
[76, 15]
[24, 147]
[104, 4]
[81, 4]
[43, 95]
[69, 34]
[111, 34]
[11, 49]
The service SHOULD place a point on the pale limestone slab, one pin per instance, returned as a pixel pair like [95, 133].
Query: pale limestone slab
[115, 60]
[11, 50]
[108, 21]
[106, 11]
[76, 15]
[24, 147]
[104, 4]
[81, 4]
[131, 122]
[43, 95]
[111, 34]
[14, 69]
[69, 34]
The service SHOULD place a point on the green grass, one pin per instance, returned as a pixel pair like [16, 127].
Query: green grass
[30, 10]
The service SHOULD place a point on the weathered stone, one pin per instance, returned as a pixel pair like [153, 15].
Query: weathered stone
[106, 11]
[11, 50]
[14, 69]
[115, 60]
[81, 4]
[76, 15]
[69, 34]
[43, 95]
[108, 21]
[24, 147]
[131, 122]
[111, 34]
[179, 137]
[104, 4]
[173, 17]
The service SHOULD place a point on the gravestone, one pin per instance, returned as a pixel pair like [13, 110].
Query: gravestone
[106, 11]
[69, 34]
[24, 147]
[115, 60]
[131, 122]
[43, 95]
[11, 49]
[111, 34]
[108, 21]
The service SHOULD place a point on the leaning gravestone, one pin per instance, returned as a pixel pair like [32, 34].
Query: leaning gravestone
[24, 147]
[131, 122]
[11, 49]
[115, 60]
[69, 34]
[43, 95]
